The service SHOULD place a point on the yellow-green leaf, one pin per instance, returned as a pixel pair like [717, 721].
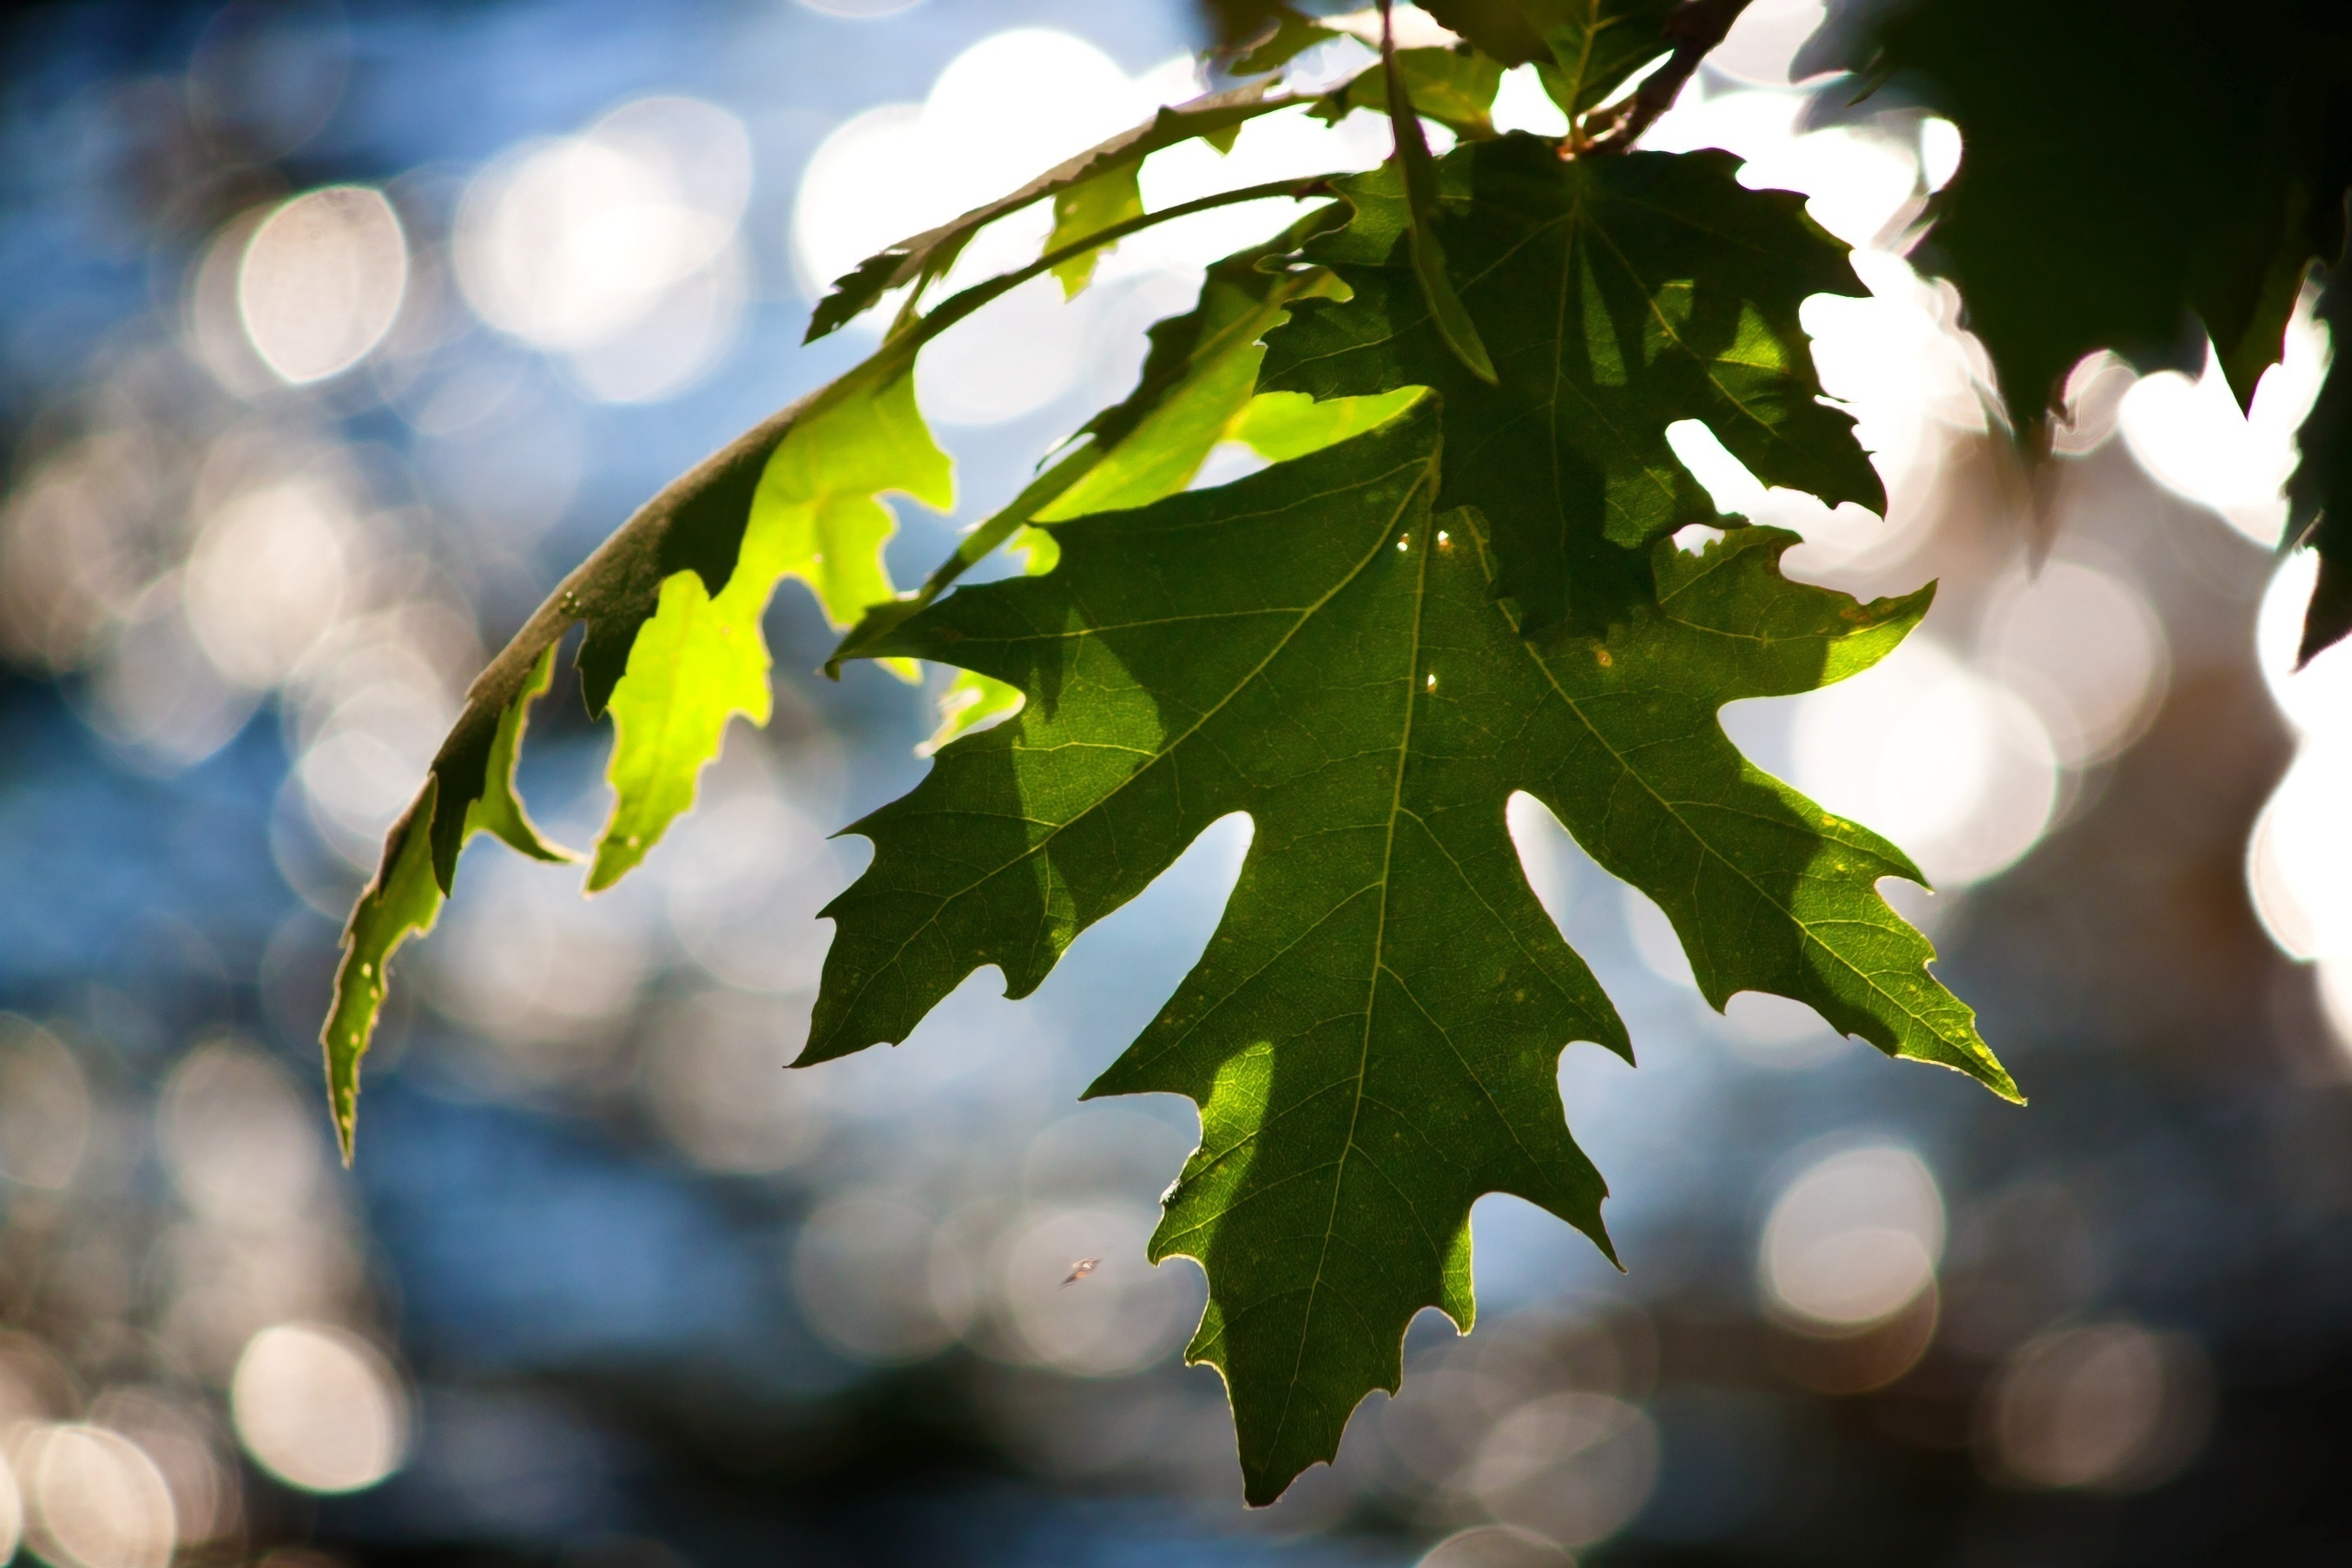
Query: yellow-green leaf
[1088, 209]
[406, 897]
[1455, 88]
[817, 515]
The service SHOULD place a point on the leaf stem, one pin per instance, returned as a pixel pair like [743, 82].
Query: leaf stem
[956, 307]
[1420, 176]
[1040, 491]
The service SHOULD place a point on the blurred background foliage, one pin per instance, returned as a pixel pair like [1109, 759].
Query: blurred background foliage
[332, 335]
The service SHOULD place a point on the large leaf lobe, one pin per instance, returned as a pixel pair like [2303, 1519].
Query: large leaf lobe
[1373, 1034]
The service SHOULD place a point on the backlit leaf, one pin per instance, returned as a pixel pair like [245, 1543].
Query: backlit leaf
[672, 604]
[1596, 44]
[1195, 390]
[702, 659]
[406, 897]
[1455, 88]
[1234, 24]
[930, 254]
[1504, 30]
[1418, 175]
[1088, 208]
[1372, 1033]
[2126, 164]
[1196, 380]
[1619, 295]
[1586, 48]
[1276, 46]
[685, 570]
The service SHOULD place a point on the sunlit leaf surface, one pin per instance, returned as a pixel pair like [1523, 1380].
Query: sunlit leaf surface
[672, 604]
[926, 255]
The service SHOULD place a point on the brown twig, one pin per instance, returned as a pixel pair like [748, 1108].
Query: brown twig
[1695, 26]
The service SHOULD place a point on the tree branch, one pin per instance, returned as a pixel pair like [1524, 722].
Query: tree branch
[1695, 26]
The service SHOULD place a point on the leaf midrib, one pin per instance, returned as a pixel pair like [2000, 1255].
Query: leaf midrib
[1414, 694]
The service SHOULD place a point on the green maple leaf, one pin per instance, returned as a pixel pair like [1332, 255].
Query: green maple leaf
[1417, 175]
[2125, 163]
[1087, 208]
[2132, 171]
[1197, 388]
[1597, 44]
[1455, 88]
[673, 603]
[405, 896]
[1373, 1034]
[1618, 295]
[816, 515]
[1585, 48]
[1242, 24]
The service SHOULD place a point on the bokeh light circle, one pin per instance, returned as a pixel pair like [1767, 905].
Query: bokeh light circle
[868, 1277]
[321, 281]
[1956, 769]
[268, 579]
[2104, 1406]
[1495, 1546]
[1123, 1314]
[1575, 1466]
[2086, 652]
[45, 1108]
[320, 1408]
[2317, 698]
[1853, 1240]
[2299, 856]
[617, 246]
[93, 1499]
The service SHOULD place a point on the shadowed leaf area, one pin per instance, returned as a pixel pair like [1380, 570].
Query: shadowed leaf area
[1617, 296]
[2136, 175]
[2125, 163]
[1585, 48]
[1373, 1033]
